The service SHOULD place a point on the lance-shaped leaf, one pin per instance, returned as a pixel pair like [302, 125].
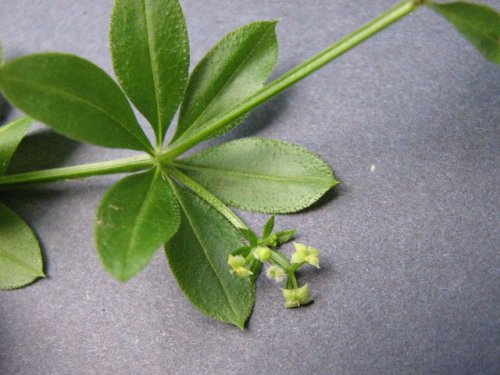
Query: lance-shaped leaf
[479, 24]
[136, 216]
[268, 227]
[150, 51]
[10, 137]
[261, 175]
[235, 68]
[20, 256]
[198, 255]
[74, 97]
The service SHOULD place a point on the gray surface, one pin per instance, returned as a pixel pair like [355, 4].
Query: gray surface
[409, 279]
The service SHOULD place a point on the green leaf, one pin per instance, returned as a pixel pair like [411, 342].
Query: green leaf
[20, 256]
[249, 235]
[74, 97]
[261, 175]
[198, 255]
[479, 24]
[10, 137]
[150, 51]
[244, 250]
[136, 216]
[234, 69]
[268, 227]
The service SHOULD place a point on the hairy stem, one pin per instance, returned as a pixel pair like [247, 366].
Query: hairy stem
[288, 79]
[131, 164]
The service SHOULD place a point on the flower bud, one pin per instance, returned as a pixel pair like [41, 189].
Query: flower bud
[272, 240]
[262, 253]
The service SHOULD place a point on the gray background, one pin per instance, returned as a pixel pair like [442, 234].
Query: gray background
[409, 279]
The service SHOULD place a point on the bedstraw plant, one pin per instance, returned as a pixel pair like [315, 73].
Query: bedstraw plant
[178, 202]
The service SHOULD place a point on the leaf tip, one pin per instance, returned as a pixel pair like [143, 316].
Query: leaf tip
[240, 324]
[121, 276]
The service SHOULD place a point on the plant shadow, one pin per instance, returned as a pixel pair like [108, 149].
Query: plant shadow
[5, 109]
[39, 150]
[258, 119]
[262, 117]
[32, 202]
[33, 154]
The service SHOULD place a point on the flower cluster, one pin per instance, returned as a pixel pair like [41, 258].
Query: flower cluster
[247, 261]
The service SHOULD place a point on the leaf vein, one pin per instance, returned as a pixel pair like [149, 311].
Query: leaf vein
[251, 175]
[16, 260]
[82, 100]
[133, 236]
[154, 72]
[194, 124]
[198, 238]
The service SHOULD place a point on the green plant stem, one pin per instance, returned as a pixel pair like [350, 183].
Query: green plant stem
[295, 266]
[207, 196]
[282, 261]
[215, 125]
[131, 164]
[288, 79]
[293, 280]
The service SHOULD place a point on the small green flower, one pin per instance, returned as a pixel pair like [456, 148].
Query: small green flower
[306, 254]
[296, 297]
[262, 253]
[237, 264]
[275, 273]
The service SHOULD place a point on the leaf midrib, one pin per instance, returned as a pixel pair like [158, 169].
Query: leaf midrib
[133, 235]
[79, 99]
[149, 37]
[250, 175]
[18, 261]
[14, 126]
[198, 238]
[194, 123]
